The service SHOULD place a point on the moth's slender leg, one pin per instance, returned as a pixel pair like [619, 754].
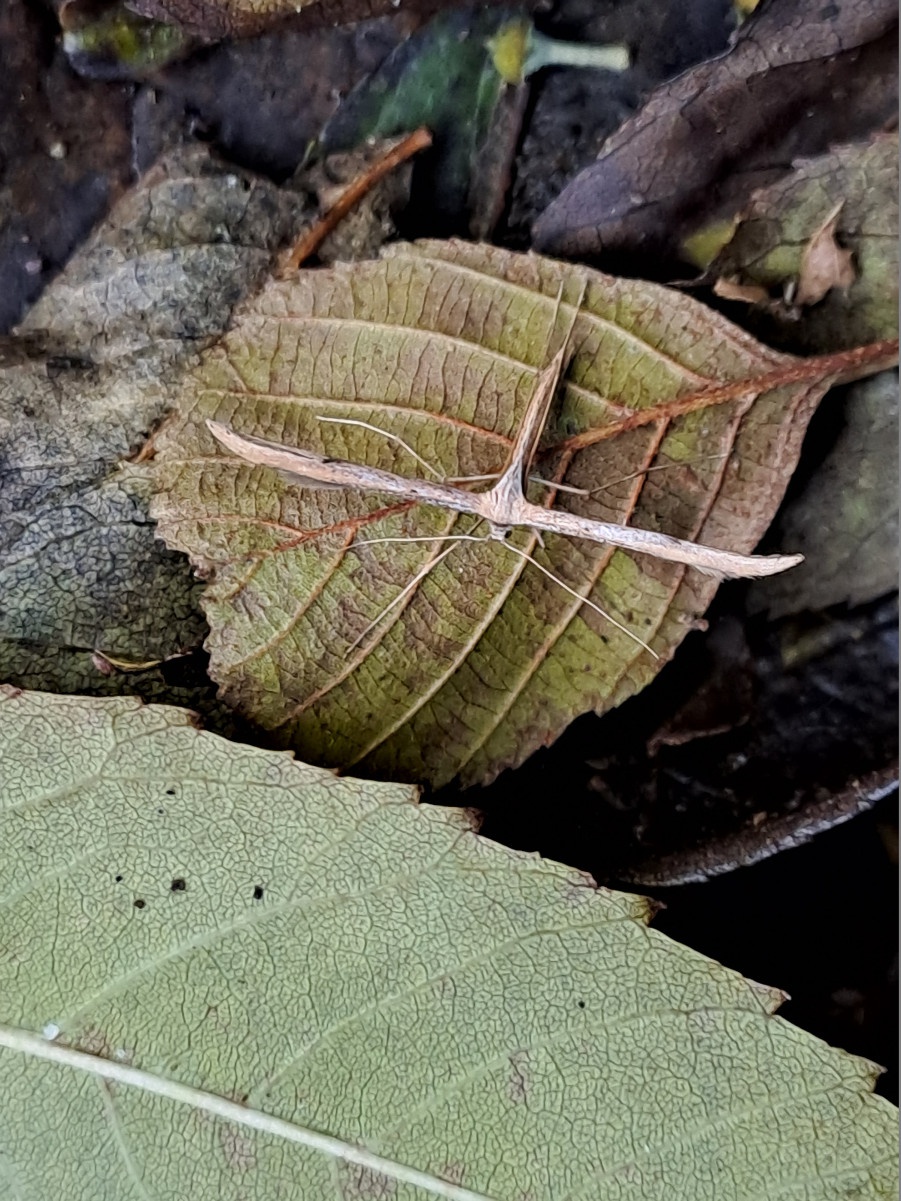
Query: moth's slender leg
[405, 592]
[517, 551]
[584, 599]
[624, 479]
[377, 429]
[536, 479]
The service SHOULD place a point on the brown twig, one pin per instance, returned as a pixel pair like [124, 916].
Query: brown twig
[844, 367]
[310, 241]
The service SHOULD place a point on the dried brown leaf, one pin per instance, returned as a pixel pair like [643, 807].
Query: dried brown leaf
[731, 289]
[825, 264]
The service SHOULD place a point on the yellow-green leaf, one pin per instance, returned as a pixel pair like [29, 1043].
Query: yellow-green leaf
[440, 344]
[224, 974]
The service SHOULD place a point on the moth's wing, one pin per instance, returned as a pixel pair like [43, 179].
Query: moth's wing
[307, 481]
[535, 417]
[303, 468]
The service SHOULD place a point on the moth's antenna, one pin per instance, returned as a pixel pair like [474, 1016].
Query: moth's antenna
[377, 429]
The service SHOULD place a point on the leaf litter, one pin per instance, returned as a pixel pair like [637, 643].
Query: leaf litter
[705, 141]
[663, 468]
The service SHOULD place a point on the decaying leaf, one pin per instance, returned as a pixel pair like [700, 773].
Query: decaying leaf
[80, 569]
[822, 242]
[114, 42]
[846, 519]
[232, 975]
[252, 98]
[445, 78]
[707, 139]
[439, 344]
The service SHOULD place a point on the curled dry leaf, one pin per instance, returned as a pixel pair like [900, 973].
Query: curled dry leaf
[484, 658]
[825, 264]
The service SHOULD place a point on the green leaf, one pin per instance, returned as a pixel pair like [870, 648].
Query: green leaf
[487, 658]
[442, 77]
[226, 974]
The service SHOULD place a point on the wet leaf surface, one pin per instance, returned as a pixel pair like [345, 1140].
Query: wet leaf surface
[706, 140]
[486, 658]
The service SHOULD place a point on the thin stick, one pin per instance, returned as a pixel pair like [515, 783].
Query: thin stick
[310, 241]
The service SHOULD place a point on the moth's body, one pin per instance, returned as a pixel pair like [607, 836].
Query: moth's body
[504, 506]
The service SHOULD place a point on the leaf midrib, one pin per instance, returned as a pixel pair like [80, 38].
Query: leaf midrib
[27, 1043]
